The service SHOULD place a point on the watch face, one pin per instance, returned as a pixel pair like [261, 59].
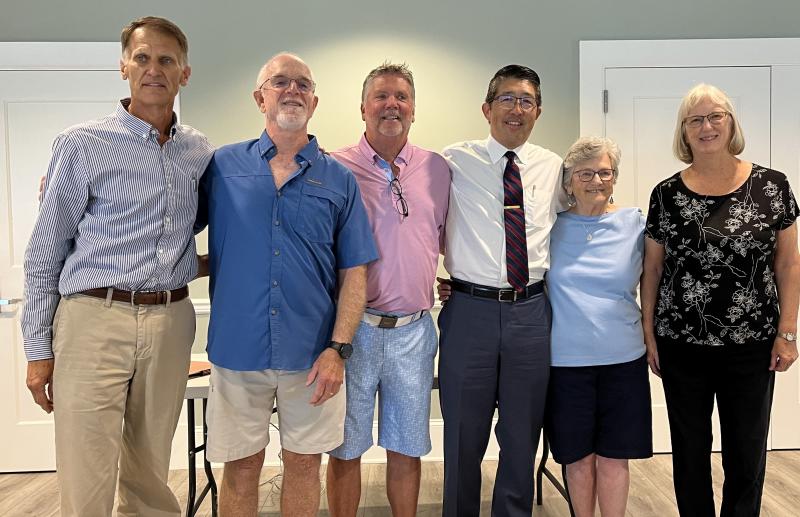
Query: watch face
[345, 350]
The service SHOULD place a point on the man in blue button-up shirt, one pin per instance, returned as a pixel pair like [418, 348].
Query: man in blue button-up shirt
[287, 231]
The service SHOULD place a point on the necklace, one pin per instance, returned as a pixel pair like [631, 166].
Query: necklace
[588, 232]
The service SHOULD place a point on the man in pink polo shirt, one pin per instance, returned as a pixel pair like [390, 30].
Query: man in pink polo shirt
[405, 191]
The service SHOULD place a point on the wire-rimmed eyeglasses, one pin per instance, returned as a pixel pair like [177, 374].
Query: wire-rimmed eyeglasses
[586, 175]
[507, 102]
[715, 118]
[400, 204]
[282, 83]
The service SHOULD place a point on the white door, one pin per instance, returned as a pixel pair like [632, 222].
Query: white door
[642, 109]
[36, 106]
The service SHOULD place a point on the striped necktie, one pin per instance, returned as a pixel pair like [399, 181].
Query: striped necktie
[514, 216]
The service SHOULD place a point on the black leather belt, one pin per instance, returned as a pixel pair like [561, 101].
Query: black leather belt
[140, 297]
[494, 293]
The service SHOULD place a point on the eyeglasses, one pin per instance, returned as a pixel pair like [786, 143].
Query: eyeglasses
[586, 175]
[282, 83]
[715, 118]
[401, 205]
[509, 101]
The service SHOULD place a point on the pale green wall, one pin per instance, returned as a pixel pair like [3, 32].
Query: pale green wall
[453, 46]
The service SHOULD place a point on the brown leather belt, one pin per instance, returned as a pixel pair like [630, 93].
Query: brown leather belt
[140, 297]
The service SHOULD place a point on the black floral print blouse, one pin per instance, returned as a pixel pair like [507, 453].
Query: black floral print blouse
[718, 285]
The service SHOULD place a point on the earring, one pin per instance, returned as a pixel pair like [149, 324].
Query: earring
[571, 199]
[611, 200]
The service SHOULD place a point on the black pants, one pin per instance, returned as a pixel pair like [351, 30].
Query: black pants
[739, 378]
[492, 354]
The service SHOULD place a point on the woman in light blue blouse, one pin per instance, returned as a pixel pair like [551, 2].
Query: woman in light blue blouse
[598, 414]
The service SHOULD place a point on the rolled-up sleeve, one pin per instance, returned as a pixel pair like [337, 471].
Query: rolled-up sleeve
[64, 204]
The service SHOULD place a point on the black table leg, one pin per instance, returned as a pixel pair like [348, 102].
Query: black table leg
[190, 509]
[211, 484]
[195, 500]
[543, 471]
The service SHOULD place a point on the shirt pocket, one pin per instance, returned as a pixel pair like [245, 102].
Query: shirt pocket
[318, 212]
[184, 182]
[532, 202]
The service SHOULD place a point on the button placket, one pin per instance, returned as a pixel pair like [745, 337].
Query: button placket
[163, 245]
[277, 240]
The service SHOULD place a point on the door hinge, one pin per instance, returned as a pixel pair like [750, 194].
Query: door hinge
[605, 101]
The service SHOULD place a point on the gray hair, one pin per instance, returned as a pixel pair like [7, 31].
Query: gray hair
[585, 149]
[387, 68]
[262, 72]
[695, 96]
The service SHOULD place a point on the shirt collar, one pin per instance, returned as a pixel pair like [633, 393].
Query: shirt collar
[267, 148]
[138, 126]
[498, 150]
[404, 156]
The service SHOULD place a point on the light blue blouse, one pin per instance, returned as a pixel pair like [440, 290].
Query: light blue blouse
[596, 263]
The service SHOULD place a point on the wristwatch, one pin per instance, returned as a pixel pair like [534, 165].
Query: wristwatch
[345, 350]
[788, 336]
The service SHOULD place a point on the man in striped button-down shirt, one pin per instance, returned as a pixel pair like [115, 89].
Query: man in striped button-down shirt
[108, 320]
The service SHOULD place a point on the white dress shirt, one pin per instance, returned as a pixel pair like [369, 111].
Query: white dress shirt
[475, 249]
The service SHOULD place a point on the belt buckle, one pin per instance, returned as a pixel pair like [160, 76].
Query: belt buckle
[133, 298]
[502, 298]
[388, 322]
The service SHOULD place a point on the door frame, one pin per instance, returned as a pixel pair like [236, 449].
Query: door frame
[782, 55]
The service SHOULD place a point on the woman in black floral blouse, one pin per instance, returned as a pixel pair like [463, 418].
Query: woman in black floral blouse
[719, 302]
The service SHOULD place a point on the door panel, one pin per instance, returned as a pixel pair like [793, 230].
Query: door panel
[36, 105]
[642, 110]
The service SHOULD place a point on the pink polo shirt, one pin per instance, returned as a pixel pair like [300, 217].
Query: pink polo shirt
[401, 280]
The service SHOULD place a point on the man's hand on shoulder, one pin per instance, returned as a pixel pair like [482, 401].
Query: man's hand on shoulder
[328, 373]
[40, 382]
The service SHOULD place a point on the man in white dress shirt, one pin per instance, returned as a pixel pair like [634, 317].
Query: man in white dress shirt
[495, 328]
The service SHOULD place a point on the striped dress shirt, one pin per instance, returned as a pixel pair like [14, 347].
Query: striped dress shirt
[118, 211]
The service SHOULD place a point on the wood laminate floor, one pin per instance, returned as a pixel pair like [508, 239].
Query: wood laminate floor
[650, 495]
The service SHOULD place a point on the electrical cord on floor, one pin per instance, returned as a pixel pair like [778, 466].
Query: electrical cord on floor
[276, 482]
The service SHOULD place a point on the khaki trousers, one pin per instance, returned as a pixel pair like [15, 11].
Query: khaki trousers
[118, 386]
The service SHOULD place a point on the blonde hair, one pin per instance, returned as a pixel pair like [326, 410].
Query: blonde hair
[388, 68]
[695, 96]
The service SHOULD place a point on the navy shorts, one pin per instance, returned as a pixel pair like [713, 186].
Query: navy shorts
[600, 409]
